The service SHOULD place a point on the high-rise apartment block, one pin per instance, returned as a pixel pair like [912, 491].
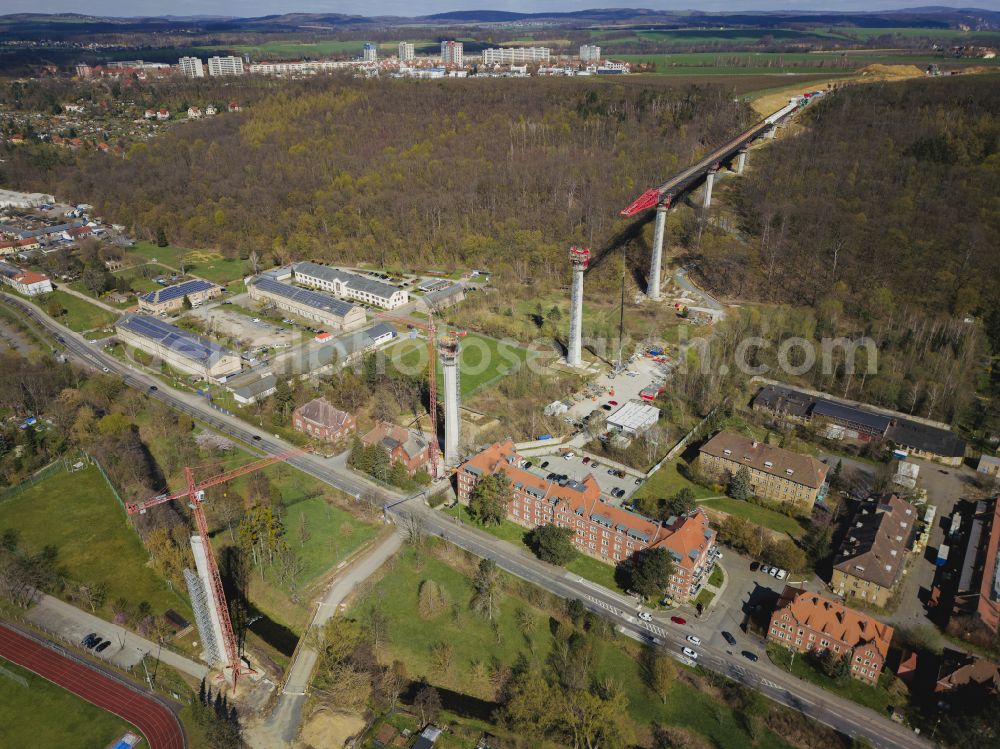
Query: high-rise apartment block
[452, 53]
[192, 67]
[590, 53]
[230, 65]
[406, 52]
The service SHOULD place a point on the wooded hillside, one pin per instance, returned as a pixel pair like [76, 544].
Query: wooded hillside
[471, 171]
[890, 195]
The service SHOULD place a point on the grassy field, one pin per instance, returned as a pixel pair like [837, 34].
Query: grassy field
[586, 567]
[483, 360]
[78, 315]
[473, 641]
[45, 715]
[667, 481]
[206, 264]
[690, 37]
[78, 514]
[756, 514]
[736, 63]
[879, 698]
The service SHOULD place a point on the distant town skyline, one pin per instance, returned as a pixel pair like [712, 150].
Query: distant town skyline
[252, 8]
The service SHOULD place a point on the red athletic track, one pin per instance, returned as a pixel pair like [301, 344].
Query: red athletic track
[160, 726]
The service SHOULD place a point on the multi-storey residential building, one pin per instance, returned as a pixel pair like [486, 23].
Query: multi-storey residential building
[516, 55]
[182, 350]
[775, 473]
[298, 67]
[310, 305]
[192, 67]
[805, 621]
[230, 65]
[369, 52]
[602, 530]
[321, 419]
[349, 285]
[870, 561]
[590, 53]
[453, 53]
[406, 52]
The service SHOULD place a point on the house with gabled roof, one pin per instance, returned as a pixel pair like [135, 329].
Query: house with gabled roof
[806, 622]
[321, 419]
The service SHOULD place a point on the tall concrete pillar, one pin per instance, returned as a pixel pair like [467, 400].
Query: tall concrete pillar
[206, 610]
[709, 181]
[653, 283]
[578, 258]
[452, 422]
[741, 161]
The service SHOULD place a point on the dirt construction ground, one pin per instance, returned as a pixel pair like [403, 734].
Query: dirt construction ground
[219, 319]
[330, 730]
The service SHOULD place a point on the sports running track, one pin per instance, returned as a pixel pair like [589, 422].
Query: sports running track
[160, 726]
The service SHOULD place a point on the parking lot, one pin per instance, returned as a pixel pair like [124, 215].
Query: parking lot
[576, 470]
[641, 373]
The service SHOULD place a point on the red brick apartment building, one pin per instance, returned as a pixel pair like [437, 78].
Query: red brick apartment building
[805, 621]
[319, 418]
[602, 530]
[403, 445]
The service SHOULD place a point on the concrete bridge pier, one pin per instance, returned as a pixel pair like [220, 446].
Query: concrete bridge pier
[709, 181]
[653, 283]
[741, 161]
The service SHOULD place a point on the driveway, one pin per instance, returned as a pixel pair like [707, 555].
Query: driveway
[70, 624]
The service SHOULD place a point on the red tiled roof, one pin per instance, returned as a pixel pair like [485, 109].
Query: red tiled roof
[30, 277]
[834, 619]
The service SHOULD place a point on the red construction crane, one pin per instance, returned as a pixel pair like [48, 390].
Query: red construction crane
[195, 493]
[431, 329]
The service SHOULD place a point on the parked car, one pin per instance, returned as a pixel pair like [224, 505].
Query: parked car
[545, 464]
[694, 639]
[586, 459]
[90, 640]
[528, 464]
[750, 656]
[611, 471]
[606, 407]
[728, 638]
[638, 482]
[690, 653]
[594, 464]
[569, 456]
[781, 575]
[765, 569]
[620, 474]
[773, 572]
[618, 493]
[103, 646]
[678, 620]
[612, 403]
[645, 616]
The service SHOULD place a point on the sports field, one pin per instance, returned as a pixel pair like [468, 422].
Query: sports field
[42, 714]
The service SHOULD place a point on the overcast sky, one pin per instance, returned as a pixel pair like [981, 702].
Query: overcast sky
[248, 8]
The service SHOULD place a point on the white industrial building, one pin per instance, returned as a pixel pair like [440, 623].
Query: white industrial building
[336, 314]
[15, 199]
[516, 55]
[192, 67]
[634, 418]
[230, 65]
[346, 284]
[406, 52]
[181, 349]
[251, 386]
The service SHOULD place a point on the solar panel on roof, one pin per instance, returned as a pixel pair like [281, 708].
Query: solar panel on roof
[177, 290]
[304, 296]
[179, 341]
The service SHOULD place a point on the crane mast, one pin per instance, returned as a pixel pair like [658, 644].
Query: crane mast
[195, 494]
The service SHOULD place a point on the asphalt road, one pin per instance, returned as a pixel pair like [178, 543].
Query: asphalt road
[829, 709]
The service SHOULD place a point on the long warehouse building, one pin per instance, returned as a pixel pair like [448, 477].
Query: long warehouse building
[311, 305]
[181, 349]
